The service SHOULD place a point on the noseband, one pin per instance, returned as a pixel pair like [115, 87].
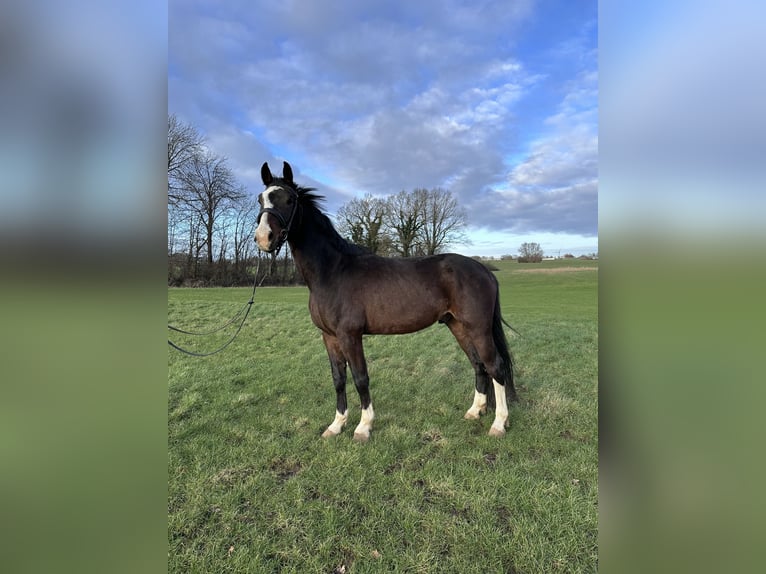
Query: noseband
[286, 225]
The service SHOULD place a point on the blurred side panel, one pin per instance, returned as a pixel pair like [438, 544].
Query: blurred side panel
[82, 289]
[683, 250]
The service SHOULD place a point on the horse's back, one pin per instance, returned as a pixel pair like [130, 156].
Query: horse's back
[466, 273]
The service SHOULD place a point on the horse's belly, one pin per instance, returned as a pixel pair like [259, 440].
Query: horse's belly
[391, 322]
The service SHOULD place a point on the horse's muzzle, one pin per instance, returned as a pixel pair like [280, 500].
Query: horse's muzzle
[264, 236]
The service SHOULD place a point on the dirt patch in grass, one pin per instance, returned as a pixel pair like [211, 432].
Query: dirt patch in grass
[556, 270]
[432, 436]
[569, 435]
[285, 468]
[233, 475]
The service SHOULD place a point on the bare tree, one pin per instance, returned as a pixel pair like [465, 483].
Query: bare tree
[422, 222]
[361, 220]
[245, 216]
[174, 225]
[530, 253]
[209, 189]
[443, 220]
[184, 142]
[195, 243]
[405, 218]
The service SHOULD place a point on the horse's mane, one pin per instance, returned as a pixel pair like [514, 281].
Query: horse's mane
[312, 209]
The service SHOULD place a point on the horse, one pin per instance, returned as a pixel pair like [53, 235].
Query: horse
[353, 292]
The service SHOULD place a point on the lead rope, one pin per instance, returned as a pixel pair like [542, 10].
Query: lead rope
[246, 309]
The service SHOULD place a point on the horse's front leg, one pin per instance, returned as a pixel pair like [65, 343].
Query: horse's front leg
[351, 344]
[338, 366]
[479, 406]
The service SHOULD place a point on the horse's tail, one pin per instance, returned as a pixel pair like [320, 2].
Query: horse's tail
[506, 359]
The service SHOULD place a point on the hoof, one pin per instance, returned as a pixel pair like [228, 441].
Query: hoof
[329, 433]
[473, 415]
[361, 437]
[496, 432]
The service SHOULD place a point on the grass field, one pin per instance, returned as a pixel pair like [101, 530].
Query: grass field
[253, 488]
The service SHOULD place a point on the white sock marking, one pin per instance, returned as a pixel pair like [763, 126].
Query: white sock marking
[479, 405]
[337, 424]
[501, 407]
[365, 424]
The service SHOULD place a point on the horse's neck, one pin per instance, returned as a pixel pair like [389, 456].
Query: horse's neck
[315, 252]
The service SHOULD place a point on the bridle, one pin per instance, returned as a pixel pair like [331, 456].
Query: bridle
[285, 224]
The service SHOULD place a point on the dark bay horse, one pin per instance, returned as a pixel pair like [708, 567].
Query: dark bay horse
[353, 293]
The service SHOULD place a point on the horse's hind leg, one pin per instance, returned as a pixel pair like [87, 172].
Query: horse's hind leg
[338, 366]
[479, 406]
[493, 364]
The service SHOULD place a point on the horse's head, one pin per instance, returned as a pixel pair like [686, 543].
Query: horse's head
[278, 202]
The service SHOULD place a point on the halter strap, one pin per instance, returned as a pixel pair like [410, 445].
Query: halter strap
[273, 212]
[286, 225]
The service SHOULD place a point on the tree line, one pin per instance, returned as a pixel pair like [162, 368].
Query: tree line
[212, 218]
[408, 224]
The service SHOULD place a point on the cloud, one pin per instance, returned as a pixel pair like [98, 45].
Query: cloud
[394, 96]
[554, 188]
[244, 152]
[571, 209]
[558, 160]
[439, 136]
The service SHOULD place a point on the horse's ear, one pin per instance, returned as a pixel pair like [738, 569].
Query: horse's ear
[287, 172]
[266, 174]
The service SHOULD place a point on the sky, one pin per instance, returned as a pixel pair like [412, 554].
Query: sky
[495, 101]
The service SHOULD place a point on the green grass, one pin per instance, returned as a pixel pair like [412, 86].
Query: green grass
[253, 487]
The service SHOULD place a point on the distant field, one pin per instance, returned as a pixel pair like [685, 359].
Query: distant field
[253, 487]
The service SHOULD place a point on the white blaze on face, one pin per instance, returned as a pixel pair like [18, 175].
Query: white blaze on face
[263, 229]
